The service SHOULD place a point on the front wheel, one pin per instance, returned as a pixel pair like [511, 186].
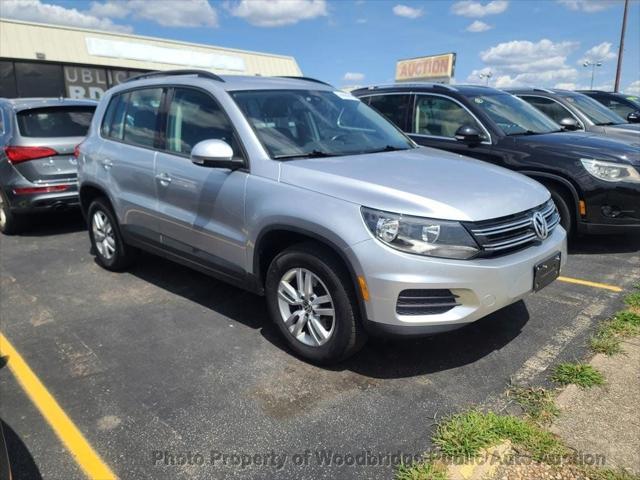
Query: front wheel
[310, 298]
[567, 219]
[106, 241]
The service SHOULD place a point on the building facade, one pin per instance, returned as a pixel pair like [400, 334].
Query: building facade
[39, 60]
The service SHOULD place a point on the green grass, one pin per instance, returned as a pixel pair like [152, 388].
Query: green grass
[608, 474]
[537, 403]
[465, 434]
[633, 300]
[607, 338]
[580, 374]
[422, 471]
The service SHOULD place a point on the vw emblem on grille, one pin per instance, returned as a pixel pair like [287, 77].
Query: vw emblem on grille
[540, 226]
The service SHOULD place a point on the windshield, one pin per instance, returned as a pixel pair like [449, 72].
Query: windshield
[595, 111]
[306, 123]
[513, 115]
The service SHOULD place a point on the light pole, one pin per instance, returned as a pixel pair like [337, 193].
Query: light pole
[593, 66]
[486, 75]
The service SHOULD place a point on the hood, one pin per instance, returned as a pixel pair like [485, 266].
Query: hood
[626, 132]
[423, 182]
[582, 145]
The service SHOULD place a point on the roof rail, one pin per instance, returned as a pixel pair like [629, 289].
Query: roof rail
[545, 90]
[308, 79]
[170, 73]
[444, 86]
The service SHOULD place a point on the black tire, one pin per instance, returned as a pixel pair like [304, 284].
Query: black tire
[347, 335]
[123, 255]
[567, 218]
[10, 222]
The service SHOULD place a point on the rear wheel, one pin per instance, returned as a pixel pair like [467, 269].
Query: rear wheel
[10, 222]
[106, 241]
[311, 300]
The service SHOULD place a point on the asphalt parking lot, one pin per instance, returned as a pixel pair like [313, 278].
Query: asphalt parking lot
[163, 365]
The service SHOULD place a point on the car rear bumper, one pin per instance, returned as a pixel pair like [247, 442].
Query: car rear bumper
[481, 286]
[45, 201]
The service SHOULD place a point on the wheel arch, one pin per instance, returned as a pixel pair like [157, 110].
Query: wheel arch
[275, 238]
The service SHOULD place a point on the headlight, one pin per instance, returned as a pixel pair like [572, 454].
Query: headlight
[610, 172]
[422, 236]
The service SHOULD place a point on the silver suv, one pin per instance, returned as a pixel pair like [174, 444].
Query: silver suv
[302, 193]
[37, 163]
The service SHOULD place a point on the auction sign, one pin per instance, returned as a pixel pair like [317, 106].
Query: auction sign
[435, 68]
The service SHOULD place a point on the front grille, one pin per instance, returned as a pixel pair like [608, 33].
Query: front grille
[425, 302]
[514, 232]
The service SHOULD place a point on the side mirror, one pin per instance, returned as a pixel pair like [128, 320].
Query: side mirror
[468, 134]
[214, 154]
[570, 124]
[634, 117]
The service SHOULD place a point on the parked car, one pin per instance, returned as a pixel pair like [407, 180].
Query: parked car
[299, 192]
[594, 181]
[626, 106]
[37, 167]
[577, 112]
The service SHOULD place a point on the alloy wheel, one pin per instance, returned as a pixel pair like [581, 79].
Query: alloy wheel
[103, 235]
[3, 213]
[306, 307]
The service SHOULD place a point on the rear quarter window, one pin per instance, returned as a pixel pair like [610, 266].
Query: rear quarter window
[47, 122]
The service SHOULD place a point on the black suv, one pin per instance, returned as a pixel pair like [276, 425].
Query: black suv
[627, 106]
[594, 180]
[575, 111]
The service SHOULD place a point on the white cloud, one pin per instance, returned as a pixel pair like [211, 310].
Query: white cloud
[633, 88]
[38, 11]
[168, 13]
[522, 62]
[598, 53]
[479, 26]
[566, 86]
[473, 9]
[588, 6]
[353, 77]
[407, 12]
[276, 13]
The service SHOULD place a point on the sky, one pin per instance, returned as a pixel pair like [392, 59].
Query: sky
[357, 42]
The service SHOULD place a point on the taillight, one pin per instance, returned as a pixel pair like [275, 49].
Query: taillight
[76, 150]
[23, 154]
[46, 189]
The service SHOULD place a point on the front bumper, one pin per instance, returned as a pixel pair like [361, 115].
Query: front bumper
[482, 285]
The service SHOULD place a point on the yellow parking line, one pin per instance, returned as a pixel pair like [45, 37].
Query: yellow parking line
[68, 433]
[577, 281]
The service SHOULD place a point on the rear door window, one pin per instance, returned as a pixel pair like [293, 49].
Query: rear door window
[47, 122]
[141, 119]
[395, 107]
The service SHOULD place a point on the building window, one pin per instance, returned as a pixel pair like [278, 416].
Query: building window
[7, 80]
[39, 79]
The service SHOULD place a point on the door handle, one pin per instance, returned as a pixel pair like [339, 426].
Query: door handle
[107, 164]
[164, 179]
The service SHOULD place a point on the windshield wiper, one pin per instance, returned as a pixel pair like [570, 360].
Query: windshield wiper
[526, 132]
[388, 148]
[606, 124]
[311, 154]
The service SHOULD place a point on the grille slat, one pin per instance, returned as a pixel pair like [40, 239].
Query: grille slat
[507, 234]
[426, 302]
